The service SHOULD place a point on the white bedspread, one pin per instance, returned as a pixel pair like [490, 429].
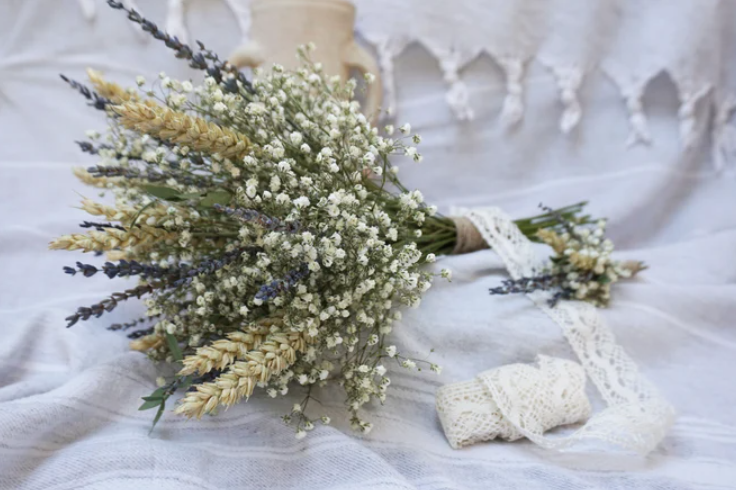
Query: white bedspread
[69, 397]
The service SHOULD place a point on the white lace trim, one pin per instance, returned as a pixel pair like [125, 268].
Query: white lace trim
[513, 401]
[636, 418]
[632, 41]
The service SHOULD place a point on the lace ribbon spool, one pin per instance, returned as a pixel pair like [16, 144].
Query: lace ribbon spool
[636, 418]
[512, 401]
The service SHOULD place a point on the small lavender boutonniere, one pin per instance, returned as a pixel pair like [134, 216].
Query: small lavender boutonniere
[581, 268]
[273, 242]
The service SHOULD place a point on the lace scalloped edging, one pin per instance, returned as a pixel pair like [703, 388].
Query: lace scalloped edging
[637, 417]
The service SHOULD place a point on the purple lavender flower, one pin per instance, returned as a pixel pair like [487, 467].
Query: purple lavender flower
[219, 70]
[140, 333]
[100, 226]
[278, 286]
[109, 304]
[526, 285]
[262, 220]
[165, 278]
[95, 99]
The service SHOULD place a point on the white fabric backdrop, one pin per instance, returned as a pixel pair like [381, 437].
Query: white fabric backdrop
[68, 398]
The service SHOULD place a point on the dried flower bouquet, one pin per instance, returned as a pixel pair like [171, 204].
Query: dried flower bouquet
[271, 238]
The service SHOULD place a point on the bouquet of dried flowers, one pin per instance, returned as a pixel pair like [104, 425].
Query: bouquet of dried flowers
[270, 235]
[580, 269]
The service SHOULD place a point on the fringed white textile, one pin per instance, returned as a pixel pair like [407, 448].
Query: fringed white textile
[637, 417]
[175, 20]
[631, 41]
[89, 11]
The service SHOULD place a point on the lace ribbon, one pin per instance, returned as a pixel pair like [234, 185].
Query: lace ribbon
[636, 417]
[487, 407]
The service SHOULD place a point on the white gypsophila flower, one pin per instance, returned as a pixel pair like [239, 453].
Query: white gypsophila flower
[430, 258]
[409, 364]
[296, 138]
[140, 81]
[405, 129]
[301, 202]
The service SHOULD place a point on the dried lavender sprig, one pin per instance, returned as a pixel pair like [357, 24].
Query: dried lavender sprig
[100, 226]
[234, 75]
[140, 333]
[543, 282]
[278, 286]
[528, 284]
[127, 172]
[262, 220]
[149, 175]
[96, 101]
[198, 60]
[123, 269]
[175, 277]
[186, 274]
[88, 147]
[171, 275]
[133, 323]
[109, 304]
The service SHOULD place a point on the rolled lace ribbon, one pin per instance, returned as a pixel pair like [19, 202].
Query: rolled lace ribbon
[513, 401]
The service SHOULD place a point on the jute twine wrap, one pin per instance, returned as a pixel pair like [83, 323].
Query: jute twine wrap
[468, 237]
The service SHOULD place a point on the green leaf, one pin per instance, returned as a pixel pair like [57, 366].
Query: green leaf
[158, 393]
[165, 193]
[190, 195]
[604, 279]
[158, 416]
[215, 197]
[151, 403]
[174, 347]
